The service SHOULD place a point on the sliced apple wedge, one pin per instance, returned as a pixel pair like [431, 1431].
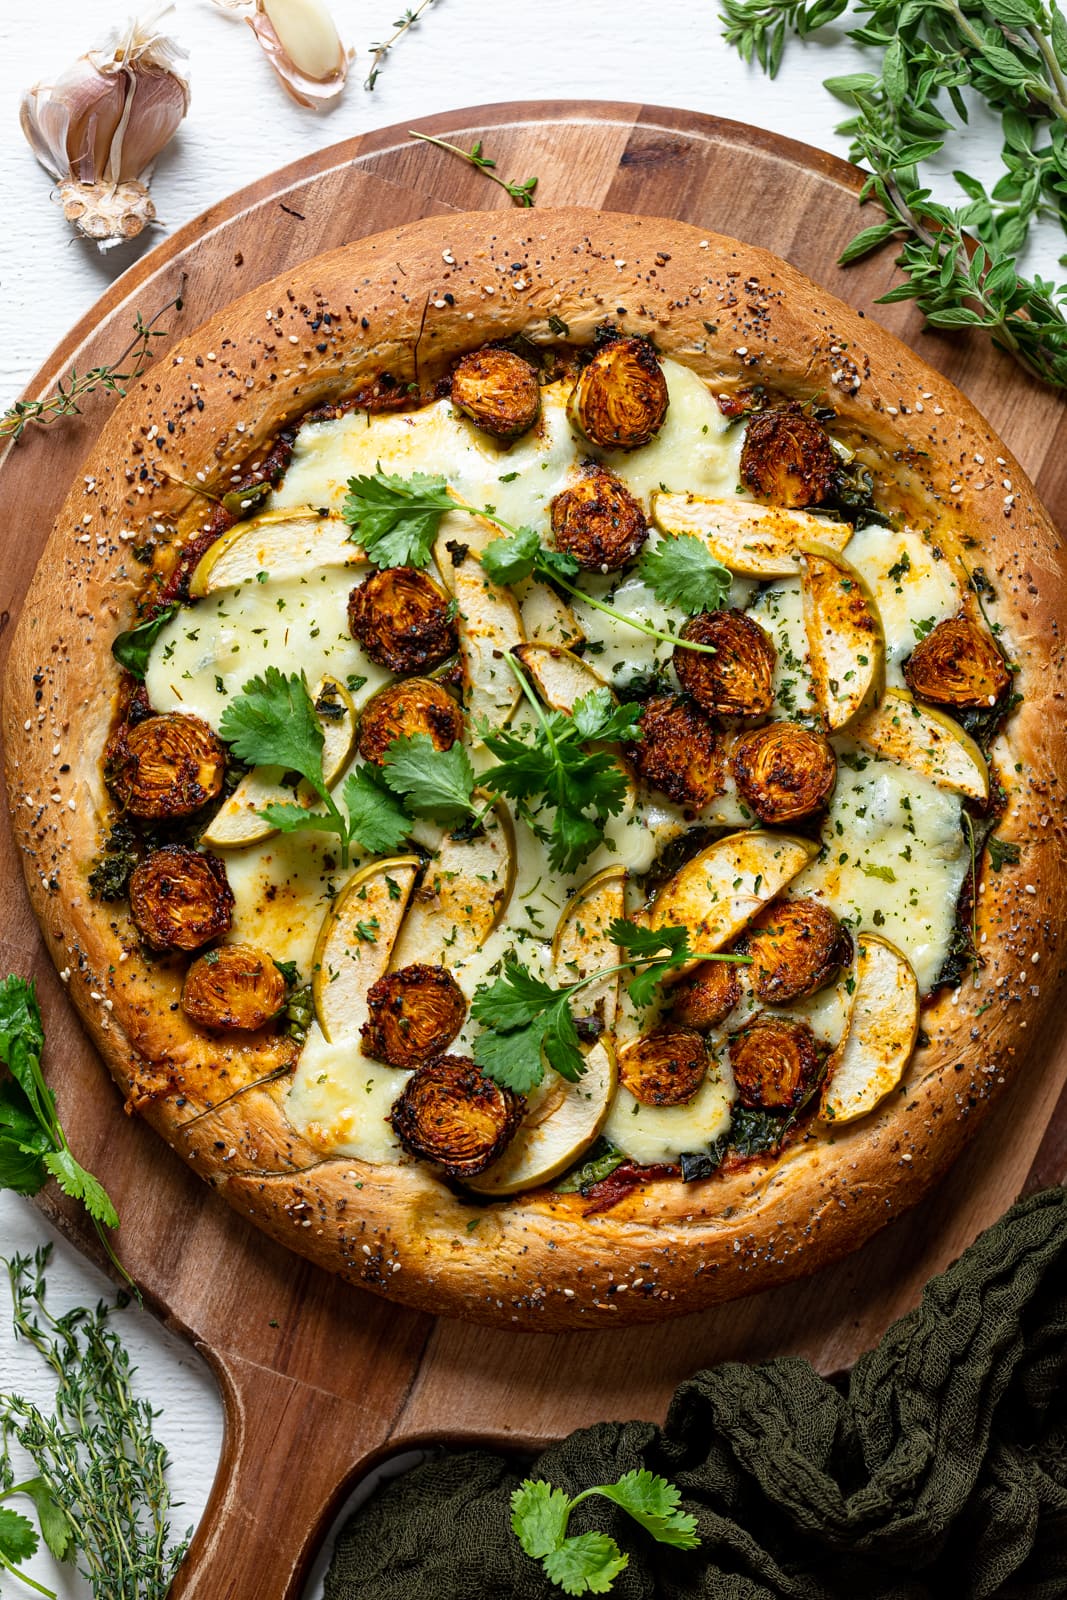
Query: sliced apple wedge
[560, 677]
[927, 741]
[463, 895]
[751, 540]
[356, 941]
[546, 616]
[582, 946]
[653, 1134]
[882, 1028]
[846, 645]
[719, 891]
[285, 544]
[562, 1120]
[237, 822]
[489, 620]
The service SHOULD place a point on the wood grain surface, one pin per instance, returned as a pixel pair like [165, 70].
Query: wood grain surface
[320, 1380]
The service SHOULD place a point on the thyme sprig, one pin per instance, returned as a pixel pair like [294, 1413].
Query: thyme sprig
[522, 193]
[113, 378]
[402, 25]
[932, 55]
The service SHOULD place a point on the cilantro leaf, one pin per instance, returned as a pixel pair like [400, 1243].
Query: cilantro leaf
[18, 1541]
[510, 560]
[539, 1517]
[435, 783]
[272, 723]
[289, 971]
[560, 1042]
[133, 647]
[641, 941]
[55, 1524]
[653, 1502]
[81, 1185]
[682, 572]
[589, 1563]
[290, 818]
[22, 1044]
[596, 716]
[559, 564]
[512, 1059]
[376, 819]
[513, 1000]
[23, 1143]
[396, 519]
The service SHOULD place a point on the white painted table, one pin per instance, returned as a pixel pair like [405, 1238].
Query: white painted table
[241, 125]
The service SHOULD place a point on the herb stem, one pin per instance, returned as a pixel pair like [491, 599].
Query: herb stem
[1058, 100]
[24, 1577]
[408, 21]
[521, 193]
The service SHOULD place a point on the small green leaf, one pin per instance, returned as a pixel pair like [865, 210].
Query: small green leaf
[434, 783]
[133, 647]
[589, 1563]
[18, 1540]
[81, 1185]
[539, 1516]
[55, 1525]
[507, 561]
[396, 519]
[272, 723]
[377, 821]
[682, 572]
[866, 241]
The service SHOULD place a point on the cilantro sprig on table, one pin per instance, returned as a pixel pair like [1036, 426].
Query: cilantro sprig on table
[589, 1563]
[396, 521]
[527, 1021]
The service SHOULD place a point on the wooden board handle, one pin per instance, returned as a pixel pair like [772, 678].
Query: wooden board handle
[290, 1453]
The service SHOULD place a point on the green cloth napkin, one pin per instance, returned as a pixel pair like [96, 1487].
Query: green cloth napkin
[940, 1471]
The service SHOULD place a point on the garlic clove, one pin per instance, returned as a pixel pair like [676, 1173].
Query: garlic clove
[300, 41]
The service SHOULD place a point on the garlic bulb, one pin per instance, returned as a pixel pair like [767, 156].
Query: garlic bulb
[100, 126]
[300, 41]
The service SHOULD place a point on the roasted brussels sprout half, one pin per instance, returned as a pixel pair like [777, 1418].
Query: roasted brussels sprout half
[166, 766]
[679, 752]
[235, 986]
[783, 771]
[403, 619]
[180, 898]
[449, 1113]
[413, 1015]
[777, 1063]
[796, 947]
[738, 680]
[707, 996]
[620, 399]
[957, 664]
[665, 1067]
[497, 390]
[787, 458]
[417, 706]
[598, 521]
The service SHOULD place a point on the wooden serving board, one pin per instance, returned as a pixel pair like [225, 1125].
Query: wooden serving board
[320, 1380]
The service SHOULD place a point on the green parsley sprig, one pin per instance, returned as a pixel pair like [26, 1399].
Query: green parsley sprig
[589, 1563]
[33, 1145]
[527, 1021]
[396, 521]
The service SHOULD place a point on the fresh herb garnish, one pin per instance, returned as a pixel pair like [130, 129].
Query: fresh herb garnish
[522, 193]
[589, 1563]
[434, 783]
[682, 572]
[402, 25]
[133, 647]
[596, 1165]
[526, 1019]
[1002, 853]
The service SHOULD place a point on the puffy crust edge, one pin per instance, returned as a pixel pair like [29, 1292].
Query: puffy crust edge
[407, 302]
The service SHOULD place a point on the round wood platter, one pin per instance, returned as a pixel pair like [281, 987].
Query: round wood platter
[320, 1380]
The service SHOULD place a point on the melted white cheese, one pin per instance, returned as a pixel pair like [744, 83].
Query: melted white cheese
[914, 589]
[341, 1101]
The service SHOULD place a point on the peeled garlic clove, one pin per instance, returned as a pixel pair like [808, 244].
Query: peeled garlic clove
[300, 41]
[99, 127]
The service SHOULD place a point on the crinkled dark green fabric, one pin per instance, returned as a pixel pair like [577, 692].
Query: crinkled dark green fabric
[940, 1472]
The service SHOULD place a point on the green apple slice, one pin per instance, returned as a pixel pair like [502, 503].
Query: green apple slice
[877, 1045]
[546, 616]
[286, 544]
[750, 540]
[356, 941]
[463, 895]
[846, 645]
[237, 822]
[489, 620]
[562, 1120]
[561, 677]
[581, 944]
[653, 1134]
[927, 741]
[718, 892]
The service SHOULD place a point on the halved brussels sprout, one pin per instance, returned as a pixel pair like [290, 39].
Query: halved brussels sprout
[777, 1063]
[664, 1067]
[412, 1015]
[418, 705]
[235, 986]
[957, 664]
[707, 996]
[620, 400]
[883, 1025]
[180, 898]
[497, 390]
[598, 521]
[845, 639]
[796, 946]
[166, 766]
[452, 1115]
[752, 540]
[403, 619]
[738, 680]
[679, 752]
[787, 458]
[783, 771]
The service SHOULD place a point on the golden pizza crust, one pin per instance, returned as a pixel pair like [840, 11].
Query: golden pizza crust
[407, 302]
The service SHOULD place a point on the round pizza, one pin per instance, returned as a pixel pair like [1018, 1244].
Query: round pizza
[536, 748]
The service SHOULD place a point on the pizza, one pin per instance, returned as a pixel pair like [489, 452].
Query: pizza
[535, 743]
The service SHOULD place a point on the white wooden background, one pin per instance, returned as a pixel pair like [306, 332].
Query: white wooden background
[241, 125]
